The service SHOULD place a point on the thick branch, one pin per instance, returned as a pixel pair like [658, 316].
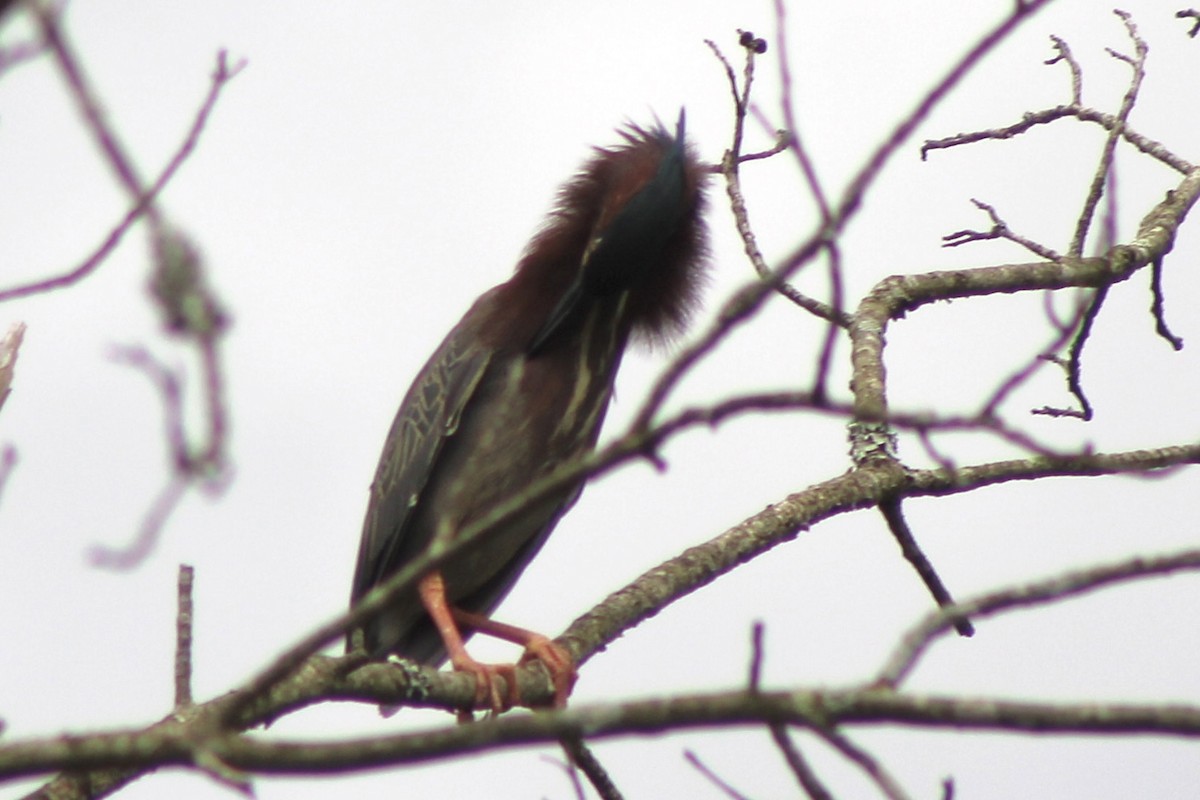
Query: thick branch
[893, 297]
[809, 708]
[119, 754]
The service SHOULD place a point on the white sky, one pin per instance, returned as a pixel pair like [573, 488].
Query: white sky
[376, 167]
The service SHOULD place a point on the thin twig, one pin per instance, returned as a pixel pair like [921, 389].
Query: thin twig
[756, 656]
[1154, 149]
[1100, 178]
[734, 158]
[806, 776]
[571, 771]
[1156, 306]
[128, 557]
[1065, 56]
[221, 75]
[167, 382]
[887, 784]
[582, 757]
[838, 319]
[1062, 333]
[18, 53]
[1000, 230]
[893, 513]
[47, 16]
[713, 778]
[183, 638]
[1190, 13]
[1074, 362]
[918, 639]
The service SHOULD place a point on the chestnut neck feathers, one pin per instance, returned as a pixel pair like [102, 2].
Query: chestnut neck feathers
[629, 223]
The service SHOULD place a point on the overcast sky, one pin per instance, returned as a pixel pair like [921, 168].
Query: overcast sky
[378, 165]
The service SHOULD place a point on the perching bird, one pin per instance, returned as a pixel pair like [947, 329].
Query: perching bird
[519, 387]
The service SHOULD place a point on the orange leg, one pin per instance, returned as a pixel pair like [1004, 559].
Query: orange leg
[557, 660]
[432, 590]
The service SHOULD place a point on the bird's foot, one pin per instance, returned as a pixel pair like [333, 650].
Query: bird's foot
[487, 683]
[558, 663]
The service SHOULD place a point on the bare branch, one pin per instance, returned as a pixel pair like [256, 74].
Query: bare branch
[756, 657]
[167, 742]
[151, 528]
[183, 638]
[1156, 306]
[1190, 13]
[221, 75]
[893, 513]
[729, 168]
[893, 297]
[16, 54]
[915, 643]
[712, 777]
[1104, 168]
[1065, 56]
[806, 776]
[1000, 230]
[887, 784]
[585, 760]
[321, 678]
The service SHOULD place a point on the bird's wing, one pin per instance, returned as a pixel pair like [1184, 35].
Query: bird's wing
[428, 417]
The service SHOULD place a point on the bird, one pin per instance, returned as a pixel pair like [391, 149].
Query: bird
[519, 387]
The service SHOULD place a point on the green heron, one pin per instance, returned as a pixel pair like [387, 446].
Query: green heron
[519, 387]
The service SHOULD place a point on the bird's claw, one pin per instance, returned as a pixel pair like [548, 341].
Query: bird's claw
[554, 657]
[487, 688]
[558, 663]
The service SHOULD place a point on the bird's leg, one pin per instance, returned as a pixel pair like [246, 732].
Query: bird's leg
[432, 590]
[558, 661]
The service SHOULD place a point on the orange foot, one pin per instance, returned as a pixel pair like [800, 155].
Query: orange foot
[556, 658]
[487, 686]
[558, 663]
[451, 621]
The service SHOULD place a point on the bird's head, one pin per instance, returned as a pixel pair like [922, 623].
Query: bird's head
[630, 222]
